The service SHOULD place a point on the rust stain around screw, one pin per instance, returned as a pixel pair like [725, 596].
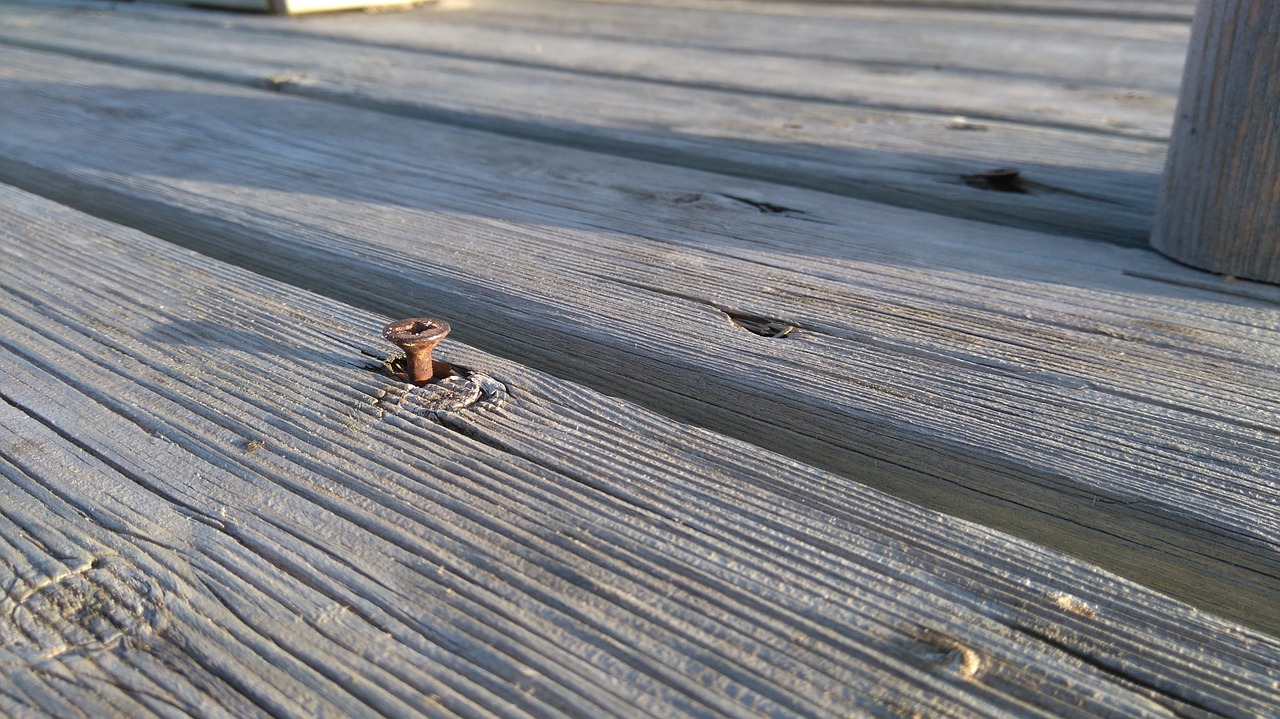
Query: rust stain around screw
[417, 336]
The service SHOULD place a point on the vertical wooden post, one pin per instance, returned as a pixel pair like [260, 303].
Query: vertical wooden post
[1219, 207]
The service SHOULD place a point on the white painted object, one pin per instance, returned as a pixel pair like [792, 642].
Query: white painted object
[296, 7]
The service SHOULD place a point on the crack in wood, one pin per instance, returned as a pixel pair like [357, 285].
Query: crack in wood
[761, 325]
[758, 324]
[1000, 180]
[1055, 637]
[767, 208]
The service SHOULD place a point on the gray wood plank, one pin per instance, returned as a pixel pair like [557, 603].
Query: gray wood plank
[416, 60]
[1090, 147]
[1056, 48]
[213, 506]
[1128, 9]
[1095, 398]
[1039, 70]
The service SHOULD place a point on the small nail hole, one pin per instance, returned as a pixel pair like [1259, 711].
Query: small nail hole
[1000, 179]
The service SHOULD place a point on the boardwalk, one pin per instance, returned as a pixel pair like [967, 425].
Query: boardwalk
[769, 396]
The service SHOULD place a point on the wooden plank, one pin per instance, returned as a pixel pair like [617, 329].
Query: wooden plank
[887, 132]
[1128, 9]
[556, 44]
[213, 506]
[1123, 53]
[1092, 51]
[1099, 399]
[804, 50]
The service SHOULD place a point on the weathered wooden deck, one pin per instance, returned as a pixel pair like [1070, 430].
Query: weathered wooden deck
[762, 408]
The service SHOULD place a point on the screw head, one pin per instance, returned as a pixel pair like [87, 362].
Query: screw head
[417, 336]
[416, 331]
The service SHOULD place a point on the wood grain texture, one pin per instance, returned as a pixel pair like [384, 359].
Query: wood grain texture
[1098, 399]
[892, 107]
[213, 506]
[1220, 204]
[1130, 9]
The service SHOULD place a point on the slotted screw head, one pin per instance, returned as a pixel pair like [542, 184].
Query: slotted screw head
[417, 336]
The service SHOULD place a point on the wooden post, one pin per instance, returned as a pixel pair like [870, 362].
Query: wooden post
[1219, 208]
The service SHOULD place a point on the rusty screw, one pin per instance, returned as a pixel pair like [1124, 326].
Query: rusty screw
[417, 336]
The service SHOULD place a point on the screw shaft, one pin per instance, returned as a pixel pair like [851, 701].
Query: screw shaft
[417, 336]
